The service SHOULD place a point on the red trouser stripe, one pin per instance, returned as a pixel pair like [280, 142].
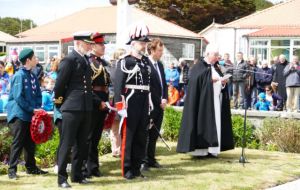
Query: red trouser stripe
[124, 125]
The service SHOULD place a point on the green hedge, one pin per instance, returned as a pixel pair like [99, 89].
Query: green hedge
[238, 131]
[172, 122]
[46, 152]
[5, 142]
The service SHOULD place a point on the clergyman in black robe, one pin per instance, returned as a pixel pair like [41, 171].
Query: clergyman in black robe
[200, 132]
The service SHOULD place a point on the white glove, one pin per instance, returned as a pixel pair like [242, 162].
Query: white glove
[122, 113]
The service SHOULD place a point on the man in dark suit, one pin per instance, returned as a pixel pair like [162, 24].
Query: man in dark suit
[159, 96]
[74, 97]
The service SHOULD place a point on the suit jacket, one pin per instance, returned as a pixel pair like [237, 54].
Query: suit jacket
[73, 87]
[157, 92]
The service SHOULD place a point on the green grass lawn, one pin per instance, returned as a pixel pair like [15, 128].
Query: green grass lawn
[181, 171]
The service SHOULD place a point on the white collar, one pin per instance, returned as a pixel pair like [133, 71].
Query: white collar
[152, 60]
[79, 53]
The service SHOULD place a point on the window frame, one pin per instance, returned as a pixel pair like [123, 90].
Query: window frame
[188, 45]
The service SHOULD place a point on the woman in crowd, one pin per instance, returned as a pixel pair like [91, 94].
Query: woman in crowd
[274, 98]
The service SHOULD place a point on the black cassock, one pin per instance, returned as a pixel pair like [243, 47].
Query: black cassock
[198, 127]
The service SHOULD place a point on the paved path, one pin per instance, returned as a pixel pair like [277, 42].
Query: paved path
[294, 185]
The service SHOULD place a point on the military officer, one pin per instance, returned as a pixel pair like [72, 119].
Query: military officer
[100, 83]
[132, 80]
[74, 97]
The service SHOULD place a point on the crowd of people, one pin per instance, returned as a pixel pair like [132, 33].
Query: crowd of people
[250, 86]
[265, 86]
[261, 86]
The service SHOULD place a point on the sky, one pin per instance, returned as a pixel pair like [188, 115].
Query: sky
[44, 11]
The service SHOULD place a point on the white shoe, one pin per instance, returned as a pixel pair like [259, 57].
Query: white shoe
[55, 170]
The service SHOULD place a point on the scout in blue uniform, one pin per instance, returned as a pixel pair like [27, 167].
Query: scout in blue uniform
[24, 99]
[74, 97]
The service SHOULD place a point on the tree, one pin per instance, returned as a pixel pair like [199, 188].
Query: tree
[14, 26]
[198, 14]
[262, 4]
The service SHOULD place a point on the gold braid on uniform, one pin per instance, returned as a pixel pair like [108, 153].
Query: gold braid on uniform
[98, 71]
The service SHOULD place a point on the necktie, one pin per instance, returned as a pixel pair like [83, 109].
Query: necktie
[158, 72]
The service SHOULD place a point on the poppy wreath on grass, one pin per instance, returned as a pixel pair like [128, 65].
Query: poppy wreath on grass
[41, 127]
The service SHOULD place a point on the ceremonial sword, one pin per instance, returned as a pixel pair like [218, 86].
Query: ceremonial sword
[163, 140]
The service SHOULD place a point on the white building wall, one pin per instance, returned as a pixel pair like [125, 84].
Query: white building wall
[229, 40]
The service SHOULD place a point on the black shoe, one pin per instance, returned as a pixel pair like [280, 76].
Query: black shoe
[83, 181]
[155, 165]
[144, 167]
[141, 176]
[36, 171]
[211, 156]
[64, 185]
[95, 173]
[129, 175]
[12, 175]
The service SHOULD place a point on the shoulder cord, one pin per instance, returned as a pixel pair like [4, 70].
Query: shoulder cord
[98, 71]
[130, 73]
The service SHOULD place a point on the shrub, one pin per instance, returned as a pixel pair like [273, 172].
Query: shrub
[171, 124]
[238, 130]
[104, 146]
[46, 153]
[280, 135]
[5, 143]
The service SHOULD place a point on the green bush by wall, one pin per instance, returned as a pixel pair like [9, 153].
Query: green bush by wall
[280, 135]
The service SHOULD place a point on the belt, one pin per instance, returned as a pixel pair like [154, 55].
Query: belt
[100, 88]
[137, 87]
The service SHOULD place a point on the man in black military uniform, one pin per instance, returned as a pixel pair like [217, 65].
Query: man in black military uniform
[132, 80]
[159, 96]
[100, 83]
[74, 97]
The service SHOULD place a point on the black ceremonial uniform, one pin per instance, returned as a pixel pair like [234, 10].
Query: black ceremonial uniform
[74, 96]
[135, 87]
[100, 83]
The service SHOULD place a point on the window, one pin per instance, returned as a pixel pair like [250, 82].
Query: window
[1, 48]
[52, 51]
[188, 51]
[280, 42]
[258, 42]
[279, 47]
[70, 49]
[168, 58]
[259, 49]
[297, 43]
[260, 53]
[40, 53]
[26, 47]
